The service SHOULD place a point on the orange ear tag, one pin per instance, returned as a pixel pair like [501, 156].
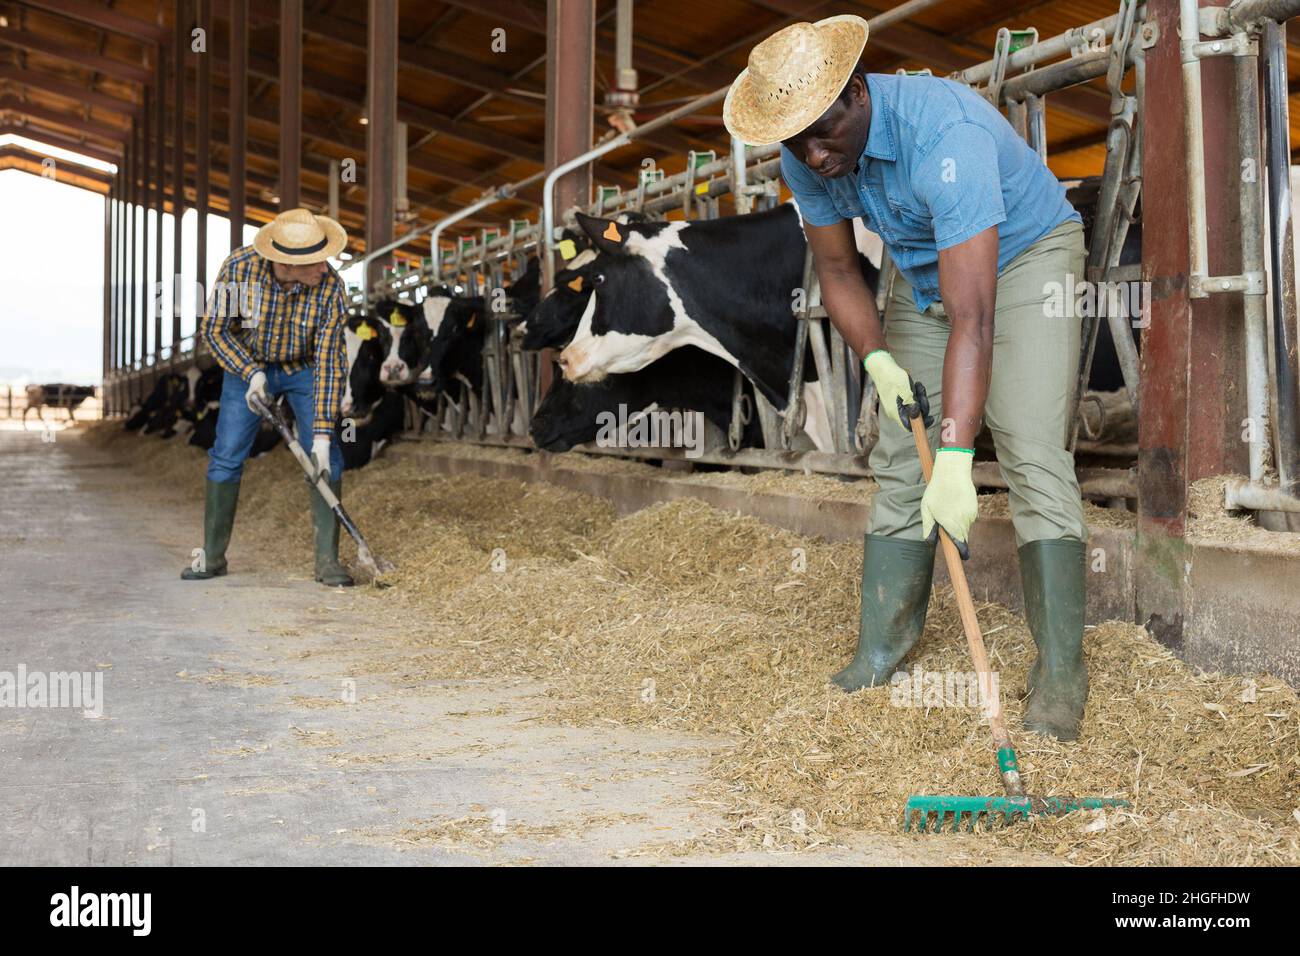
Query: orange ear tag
[472, 319]
[612, 233]
[576, 284]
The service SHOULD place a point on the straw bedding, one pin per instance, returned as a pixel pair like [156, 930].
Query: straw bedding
[688, 618]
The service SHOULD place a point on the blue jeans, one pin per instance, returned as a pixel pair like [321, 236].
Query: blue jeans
[237, 424]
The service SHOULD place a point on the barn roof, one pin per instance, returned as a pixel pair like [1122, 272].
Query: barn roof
[73, 73]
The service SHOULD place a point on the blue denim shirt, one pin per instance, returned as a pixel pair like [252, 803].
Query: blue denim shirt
[941, 164]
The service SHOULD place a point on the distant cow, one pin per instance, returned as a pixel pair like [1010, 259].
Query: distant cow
[56, 395]
[687, 378]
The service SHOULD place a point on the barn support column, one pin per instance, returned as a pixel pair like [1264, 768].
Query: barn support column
[119, 264]
[570, 105]
[182, 36]
[381, 132]
[290, 103]
[202, 157]
[238, 114]
[159, 191]
[146, 192]
[1192, 349]
[132, 242]
[108, 280]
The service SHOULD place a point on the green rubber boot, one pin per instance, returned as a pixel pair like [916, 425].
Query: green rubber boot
[896, 576]
[328, 570]
[218, 521]
[1053, 574]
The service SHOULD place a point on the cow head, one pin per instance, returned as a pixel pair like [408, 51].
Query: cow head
[565, 416]
[408, 350]
[634, 314]
[551, 325]
[368, 342]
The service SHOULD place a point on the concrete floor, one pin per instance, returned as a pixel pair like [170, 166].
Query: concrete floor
[225, 738]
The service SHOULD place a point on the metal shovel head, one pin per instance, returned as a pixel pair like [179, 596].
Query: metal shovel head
[939, 814]
[376, 566]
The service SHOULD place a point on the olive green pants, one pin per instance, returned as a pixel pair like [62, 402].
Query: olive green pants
[1035, 362]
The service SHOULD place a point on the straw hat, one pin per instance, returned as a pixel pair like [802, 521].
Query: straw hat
[299, 238]
[793, 77]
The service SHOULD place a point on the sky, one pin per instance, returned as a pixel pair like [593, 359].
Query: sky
[52, 274]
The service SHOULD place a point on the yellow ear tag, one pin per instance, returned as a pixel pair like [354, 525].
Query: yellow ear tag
[612, 233]
[365, 332]
[396, 319]
[576, 284]
[567, 249]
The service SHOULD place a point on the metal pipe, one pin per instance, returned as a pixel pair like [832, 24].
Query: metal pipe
[1241, 15]
[1250, 199]
[1194, 136]
[624, 74]
[616, 142]
[1239, 494]
[900, 12]
[1282, 274]
[1044, 49]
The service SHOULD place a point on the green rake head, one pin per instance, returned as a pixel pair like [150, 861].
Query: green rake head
[932, 814]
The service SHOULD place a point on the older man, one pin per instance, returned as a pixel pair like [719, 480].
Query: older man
[981, 233]
[275, 324]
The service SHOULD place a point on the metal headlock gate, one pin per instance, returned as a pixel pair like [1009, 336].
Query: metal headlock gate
[1012, 79]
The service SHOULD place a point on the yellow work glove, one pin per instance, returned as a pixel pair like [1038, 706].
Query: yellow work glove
[893, 384]
[950, 501]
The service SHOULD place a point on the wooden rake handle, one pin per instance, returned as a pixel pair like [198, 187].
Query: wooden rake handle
[969, 622]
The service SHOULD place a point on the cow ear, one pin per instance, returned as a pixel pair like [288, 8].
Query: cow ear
[608, 235]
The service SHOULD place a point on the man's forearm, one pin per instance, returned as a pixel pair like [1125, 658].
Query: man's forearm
[852, 309]
[967, 367]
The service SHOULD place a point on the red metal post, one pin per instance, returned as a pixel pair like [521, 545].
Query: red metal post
[182, 32]
[570, 94]
[290, 102]
[238, 110]
[381, 133]
[203, 150]
[1192, 361]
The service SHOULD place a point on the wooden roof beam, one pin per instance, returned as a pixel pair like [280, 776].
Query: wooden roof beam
[102, 18]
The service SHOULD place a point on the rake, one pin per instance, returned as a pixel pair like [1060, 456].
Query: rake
[375, 566]
[930, 814]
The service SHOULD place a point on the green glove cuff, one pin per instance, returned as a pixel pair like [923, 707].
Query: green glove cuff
[969, 451]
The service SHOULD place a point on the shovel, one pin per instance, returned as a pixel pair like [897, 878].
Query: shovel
[375, 566]
[929, 814]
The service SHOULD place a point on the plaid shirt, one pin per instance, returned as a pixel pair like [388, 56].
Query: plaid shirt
[252, 321]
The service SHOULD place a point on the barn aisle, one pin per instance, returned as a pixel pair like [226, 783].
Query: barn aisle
[228, 734]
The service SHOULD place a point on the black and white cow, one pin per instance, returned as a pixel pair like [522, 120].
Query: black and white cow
[726, 286]
[56, 395]
[368, 342]
[457, 326]
[363, 438]
[169, 389]
[687, 379]
[370, 414]
[409, 338]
